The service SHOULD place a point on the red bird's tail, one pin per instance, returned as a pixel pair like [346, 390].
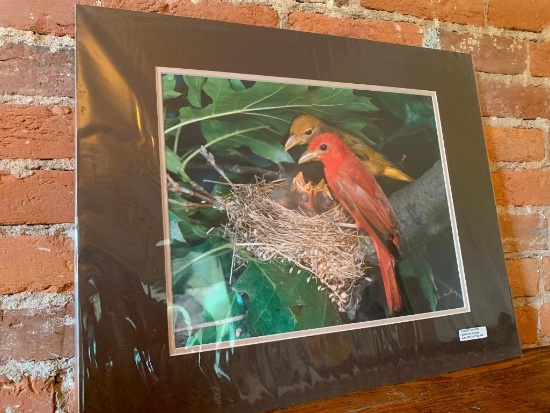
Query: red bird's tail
[387, 268]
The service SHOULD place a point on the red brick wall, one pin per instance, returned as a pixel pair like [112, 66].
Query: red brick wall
[512, 57]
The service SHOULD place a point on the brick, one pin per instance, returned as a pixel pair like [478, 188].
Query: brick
[41, 263]
[491, 54]
[455, 11]
[540, 59]
[33, 334]
[530, 15]
[207, 9]
[34, 70]
[46, 197]
[545, 320]
[523, 232]
[384, 31]
[37, 132]
[524, 276]
[514, 144]
[28, 395]
[527, 319]
[52, 17]
[522, 187]
[513, 100]
[545, 272]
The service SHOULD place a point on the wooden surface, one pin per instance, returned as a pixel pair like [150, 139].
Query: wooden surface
[516, 385]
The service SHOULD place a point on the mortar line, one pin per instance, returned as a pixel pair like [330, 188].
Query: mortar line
[538, 254]
[520, 79]
[66, 229]
[525, 210]
[534, 302]
[520, 166]
[526, 254]
[545, 294]
[38, 100]
[546, 141]
[35, 300]
[23, 168]
[66, 385]
[10, 35]
[34, 162]
[39, 369]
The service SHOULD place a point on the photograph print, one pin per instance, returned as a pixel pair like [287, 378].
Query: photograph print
[295, 208]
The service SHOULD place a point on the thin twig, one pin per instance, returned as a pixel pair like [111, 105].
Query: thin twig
[210, 158]
[200, 189]
[209, 199]
[188, 204]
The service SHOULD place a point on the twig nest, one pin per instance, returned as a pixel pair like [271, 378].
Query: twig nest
[269, 231]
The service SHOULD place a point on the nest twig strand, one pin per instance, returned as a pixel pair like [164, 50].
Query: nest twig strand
[334, 255]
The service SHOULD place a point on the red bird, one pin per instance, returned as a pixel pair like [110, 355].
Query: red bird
[359, 193]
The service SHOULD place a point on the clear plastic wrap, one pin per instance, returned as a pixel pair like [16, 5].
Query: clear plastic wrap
[128, 358]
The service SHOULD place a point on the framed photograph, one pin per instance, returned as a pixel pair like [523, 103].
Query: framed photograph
[266, 217]
[257, 246]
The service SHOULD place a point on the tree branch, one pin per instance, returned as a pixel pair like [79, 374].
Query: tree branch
[421, 209]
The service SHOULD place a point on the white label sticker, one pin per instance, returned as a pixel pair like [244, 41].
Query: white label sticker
[472, 333]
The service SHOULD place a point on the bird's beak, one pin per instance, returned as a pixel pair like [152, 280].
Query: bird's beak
[308, 156]
[293, 141]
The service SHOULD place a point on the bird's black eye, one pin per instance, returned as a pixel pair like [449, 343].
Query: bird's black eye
[323, 147]
[309, 131]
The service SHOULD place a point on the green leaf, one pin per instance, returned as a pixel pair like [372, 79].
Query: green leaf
[221, 189]
[194, 85]
[264, 99]
[191, 229]
[168, 86]
[262, 282]
[259, 117]
[170, 122]
[202, 276]
[282, 301]
[318, 310]
[202, 259]
[234, 134]
[249, 134]
[218, 306]
[411, 109]
[173, 161]
[175, 230]
[415, 266]
[236, 85]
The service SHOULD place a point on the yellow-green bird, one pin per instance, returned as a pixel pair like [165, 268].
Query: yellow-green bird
[306, 127]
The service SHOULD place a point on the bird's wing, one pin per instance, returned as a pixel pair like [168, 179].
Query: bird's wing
[366, 152]
[365, 198]
[362, 149]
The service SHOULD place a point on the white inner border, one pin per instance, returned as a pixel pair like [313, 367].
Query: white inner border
[323, 330]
